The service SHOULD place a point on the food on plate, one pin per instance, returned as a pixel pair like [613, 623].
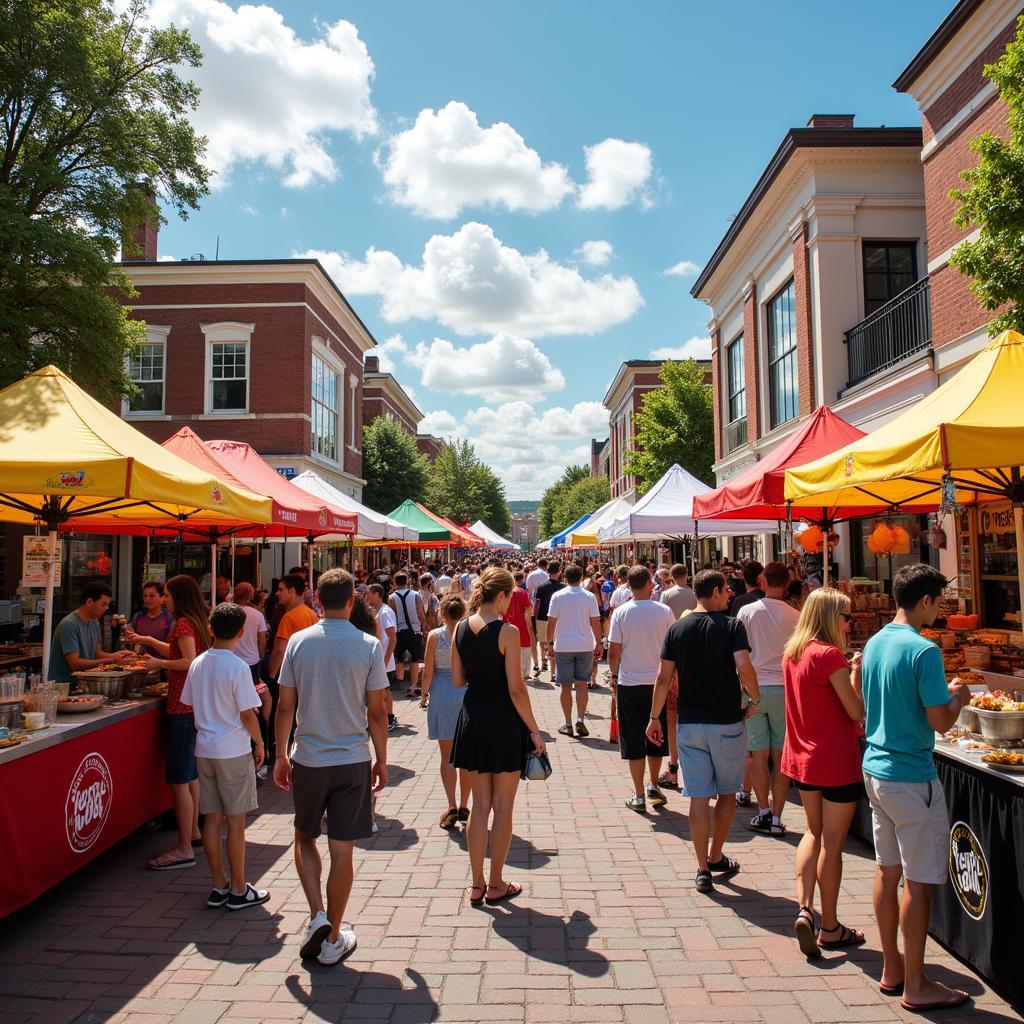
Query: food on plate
[998, 700]
[1005, 757]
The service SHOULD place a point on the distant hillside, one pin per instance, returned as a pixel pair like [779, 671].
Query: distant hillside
[523, 506]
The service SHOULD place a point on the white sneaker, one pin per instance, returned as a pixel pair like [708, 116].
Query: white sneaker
[335, 952]
[316, 931]
[375, 828]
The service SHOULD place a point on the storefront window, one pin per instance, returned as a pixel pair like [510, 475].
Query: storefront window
[743, 547]
[997, 561]
[89, 558]
[884, 567]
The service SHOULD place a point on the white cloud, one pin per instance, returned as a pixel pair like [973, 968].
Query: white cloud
[684, 268]
[447, 161]
[519, 425]
[472, 282]
[441, 424]
[269, 96]
[595, 253]
[388, 351]
[166, 258]
[693, 348]
[617, 174]
[502, 368]
[250, 210]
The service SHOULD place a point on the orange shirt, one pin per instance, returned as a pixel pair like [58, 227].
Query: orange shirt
[301, 617]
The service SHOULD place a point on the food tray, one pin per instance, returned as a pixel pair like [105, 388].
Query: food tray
[1001, 725]
[1016, 769]
[79, 706]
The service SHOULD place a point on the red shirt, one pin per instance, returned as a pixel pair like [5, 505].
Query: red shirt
[519, 606]
[176, 678]
[821, 746]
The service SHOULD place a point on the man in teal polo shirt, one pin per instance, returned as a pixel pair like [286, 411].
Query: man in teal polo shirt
[76, 640]
[907, 701]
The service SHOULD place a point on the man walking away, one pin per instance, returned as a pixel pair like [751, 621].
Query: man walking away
[574, 629]
[753, 586]
[335, 674]
[635, 641]
[679, 597]
[534, 578]
[621, 594]
[710, 653]
[769, 622]
[907, 702]
[409, 618]
[541, 604]
[387, 634]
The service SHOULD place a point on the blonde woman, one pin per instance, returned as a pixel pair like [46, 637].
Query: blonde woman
[496, 728]
[821, 754]
[445, 703]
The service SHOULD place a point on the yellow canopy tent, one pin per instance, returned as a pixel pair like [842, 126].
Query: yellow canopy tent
[66, 458]
[961, 444]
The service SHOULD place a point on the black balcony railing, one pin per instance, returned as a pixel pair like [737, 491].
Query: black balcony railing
[735, 434]
[899, 329]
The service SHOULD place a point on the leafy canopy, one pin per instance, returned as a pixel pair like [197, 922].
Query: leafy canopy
[462, 488]
[92, 106]
[547, 512]
[580, 499]
[393, 467]
[993, 201]
[675, 423]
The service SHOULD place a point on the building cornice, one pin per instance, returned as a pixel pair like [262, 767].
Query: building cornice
[390, 386]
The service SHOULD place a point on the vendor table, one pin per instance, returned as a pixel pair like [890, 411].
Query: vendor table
[978, 915]
[71, 792]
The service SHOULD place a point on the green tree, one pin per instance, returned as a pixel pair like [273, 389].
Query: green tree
[93, 116]
[576, 501]
[394, 468]
[675, 423]
[462, 488]
[548, 507]
[993, 202]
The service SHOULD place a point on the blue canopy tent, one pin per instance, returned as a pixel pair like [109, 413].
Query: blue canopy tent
[558, 541]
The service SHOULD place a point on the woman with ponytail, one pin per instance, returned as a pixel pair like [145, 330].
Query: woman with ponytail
[496, 728]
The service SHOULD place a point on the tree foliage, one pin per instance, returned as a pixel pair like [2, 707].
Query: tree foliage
[462, 488]
[993, 202]
[576, 501]
[549, 502]
[93, 115]
[394, 468]
[675, 423]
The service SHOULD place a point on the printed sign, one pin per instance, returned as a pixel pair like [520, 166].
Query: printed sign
[968, 870]
[157, 572]
[996, 521]
[88, 803]
[34, 553]
[286, 471]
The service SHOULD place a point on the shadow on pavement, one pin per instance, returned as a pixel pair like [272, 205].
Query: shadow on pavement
[325, 991]
[551, 938]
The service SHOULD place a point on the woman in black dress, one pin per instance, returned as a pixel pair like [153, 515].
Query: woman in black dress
[496, 727]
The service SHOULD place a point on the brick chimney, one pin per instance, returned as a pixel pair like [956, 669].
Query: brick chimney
[831, 121]
[371, 364]
[140, 242]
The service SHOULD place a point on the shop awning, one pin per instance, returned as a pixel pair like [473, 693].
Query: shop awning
[294, 513]
[759, 492]
[370, 525]
[586, 536]
[968, 432]
[665, 512]
[490, 538]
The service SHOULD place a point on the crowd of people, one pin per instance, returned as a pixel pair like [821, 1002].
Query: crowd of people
[740, 682]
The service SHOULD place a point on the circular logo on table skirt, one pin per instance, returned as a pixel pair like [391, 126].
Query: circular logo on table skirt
[968, 870]
[88, 804]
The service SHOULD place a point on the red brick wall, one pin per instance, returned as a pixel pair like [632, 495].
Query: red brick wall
[375, 403]
[804, 329]
[751, 368]
[717, 373]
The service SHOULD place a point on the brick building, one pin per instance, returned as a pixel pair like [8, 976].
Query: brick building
[430, 446]
[600, 458]
[263, 351]
[384, 396]
[525, 529]
[634, 379]
[957, 104]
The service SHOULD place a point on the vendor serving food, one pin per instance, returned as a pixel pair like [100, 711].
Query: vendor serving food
[76, 640]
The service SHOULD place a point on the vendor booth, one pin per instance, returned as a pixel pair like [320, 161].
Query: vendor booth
[490, 538]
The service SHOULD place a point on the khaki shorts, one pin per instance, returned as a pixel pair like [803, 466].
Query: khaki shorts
[227, 785]
[542, 630]
[525, 661]
[911, 828]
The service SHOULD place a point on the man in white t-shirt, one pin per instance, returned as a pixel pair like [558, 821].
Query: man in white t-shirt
[409, 618]
[251, 648]
[636, 638]
[444, 581]
[621, 594]
[574, 631]
[387, 633]
[769, 622]
[534, 578]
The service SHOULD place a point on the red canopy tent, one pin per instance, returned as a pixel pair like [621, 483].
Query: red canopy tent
[462, 536]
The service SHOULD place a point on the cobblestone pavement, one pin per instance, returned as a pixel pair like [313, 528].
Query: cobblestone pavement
[608, 929]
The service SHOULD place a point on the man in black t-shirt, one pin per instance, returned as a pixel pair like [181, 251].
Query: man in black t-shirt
[709, 652]
[541, 604]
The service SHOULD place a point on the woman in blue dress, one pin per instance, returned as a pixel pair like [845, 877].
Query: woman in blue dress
[444, 705]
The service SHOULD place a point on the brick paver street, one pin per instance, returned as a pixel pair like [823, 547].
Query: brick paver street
[608, 929]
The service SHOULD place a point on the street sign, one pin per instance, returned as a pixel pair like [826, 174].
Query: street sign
[286, 471]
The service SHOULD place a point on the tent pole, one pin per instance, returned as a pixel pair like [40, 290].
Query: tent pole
[232, 563]
[51, 572]
[213, 572]
[824, 553]
[1018, 529]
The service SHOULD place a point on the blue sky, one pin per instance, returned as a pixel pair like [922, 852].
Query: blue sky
[337, 129]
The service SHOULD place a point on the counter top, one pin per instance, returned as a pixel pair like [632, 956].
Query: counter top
[69, 727]
[972, 758]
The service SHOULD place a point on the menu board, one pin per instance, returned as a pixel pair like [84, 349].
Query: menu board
[965, 563]
[34, 554]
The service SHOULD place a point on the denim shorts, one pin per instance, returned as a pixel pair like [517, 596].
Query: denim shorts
[571, 667]
[712, 758]
[181, 750]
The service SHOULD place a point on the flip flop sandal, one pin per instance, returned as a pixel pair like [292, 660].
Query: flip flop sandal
[449, 819]
[463, 814]
[480, 901]
[724, 868]
[804, 931]
[942, 1004]
[512, 890]
[171, 865]
[847, 937]
[891, 990]
[669, 779]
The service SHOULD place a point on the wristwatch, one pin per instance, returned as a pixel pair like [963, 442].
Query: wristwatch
[754, 703]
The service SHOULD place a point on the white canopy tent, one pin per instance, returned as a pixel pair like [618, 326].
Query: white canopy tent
[587, 535]
[371, 525]
[665, 512]
[494, 540]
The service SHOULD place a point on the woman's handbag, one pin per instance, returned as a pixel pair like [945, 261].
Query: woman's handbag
[536, 767]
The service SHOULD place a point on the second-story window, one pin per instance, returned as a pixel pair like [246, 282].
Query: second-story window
[229, 376]
[146, 369]
[889, 268]
[736, 380]
[326, 395]
[782, 385]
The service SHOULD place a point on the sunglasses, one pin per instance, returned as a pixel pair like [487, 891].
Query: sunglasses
[846, 616]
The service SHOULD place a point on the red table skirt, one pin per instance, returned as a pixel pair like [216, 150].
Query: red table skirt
[64, 805]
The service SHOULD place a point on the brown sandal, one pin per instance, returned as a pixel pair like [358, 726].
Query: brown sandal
[449, 819]
[477, 902]
[847, 937]
[803, 928]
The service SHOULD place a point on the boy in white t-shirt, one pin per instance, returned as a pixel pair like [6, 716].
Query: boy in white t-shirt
[220, 691]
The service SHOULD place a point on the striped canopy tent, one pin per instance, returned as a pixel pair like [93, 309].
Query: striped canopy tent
[558, 540]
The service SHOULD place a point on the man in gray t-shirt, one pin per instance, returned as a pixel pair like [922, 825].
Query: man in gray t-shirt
[335, 674]
[679, 597]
